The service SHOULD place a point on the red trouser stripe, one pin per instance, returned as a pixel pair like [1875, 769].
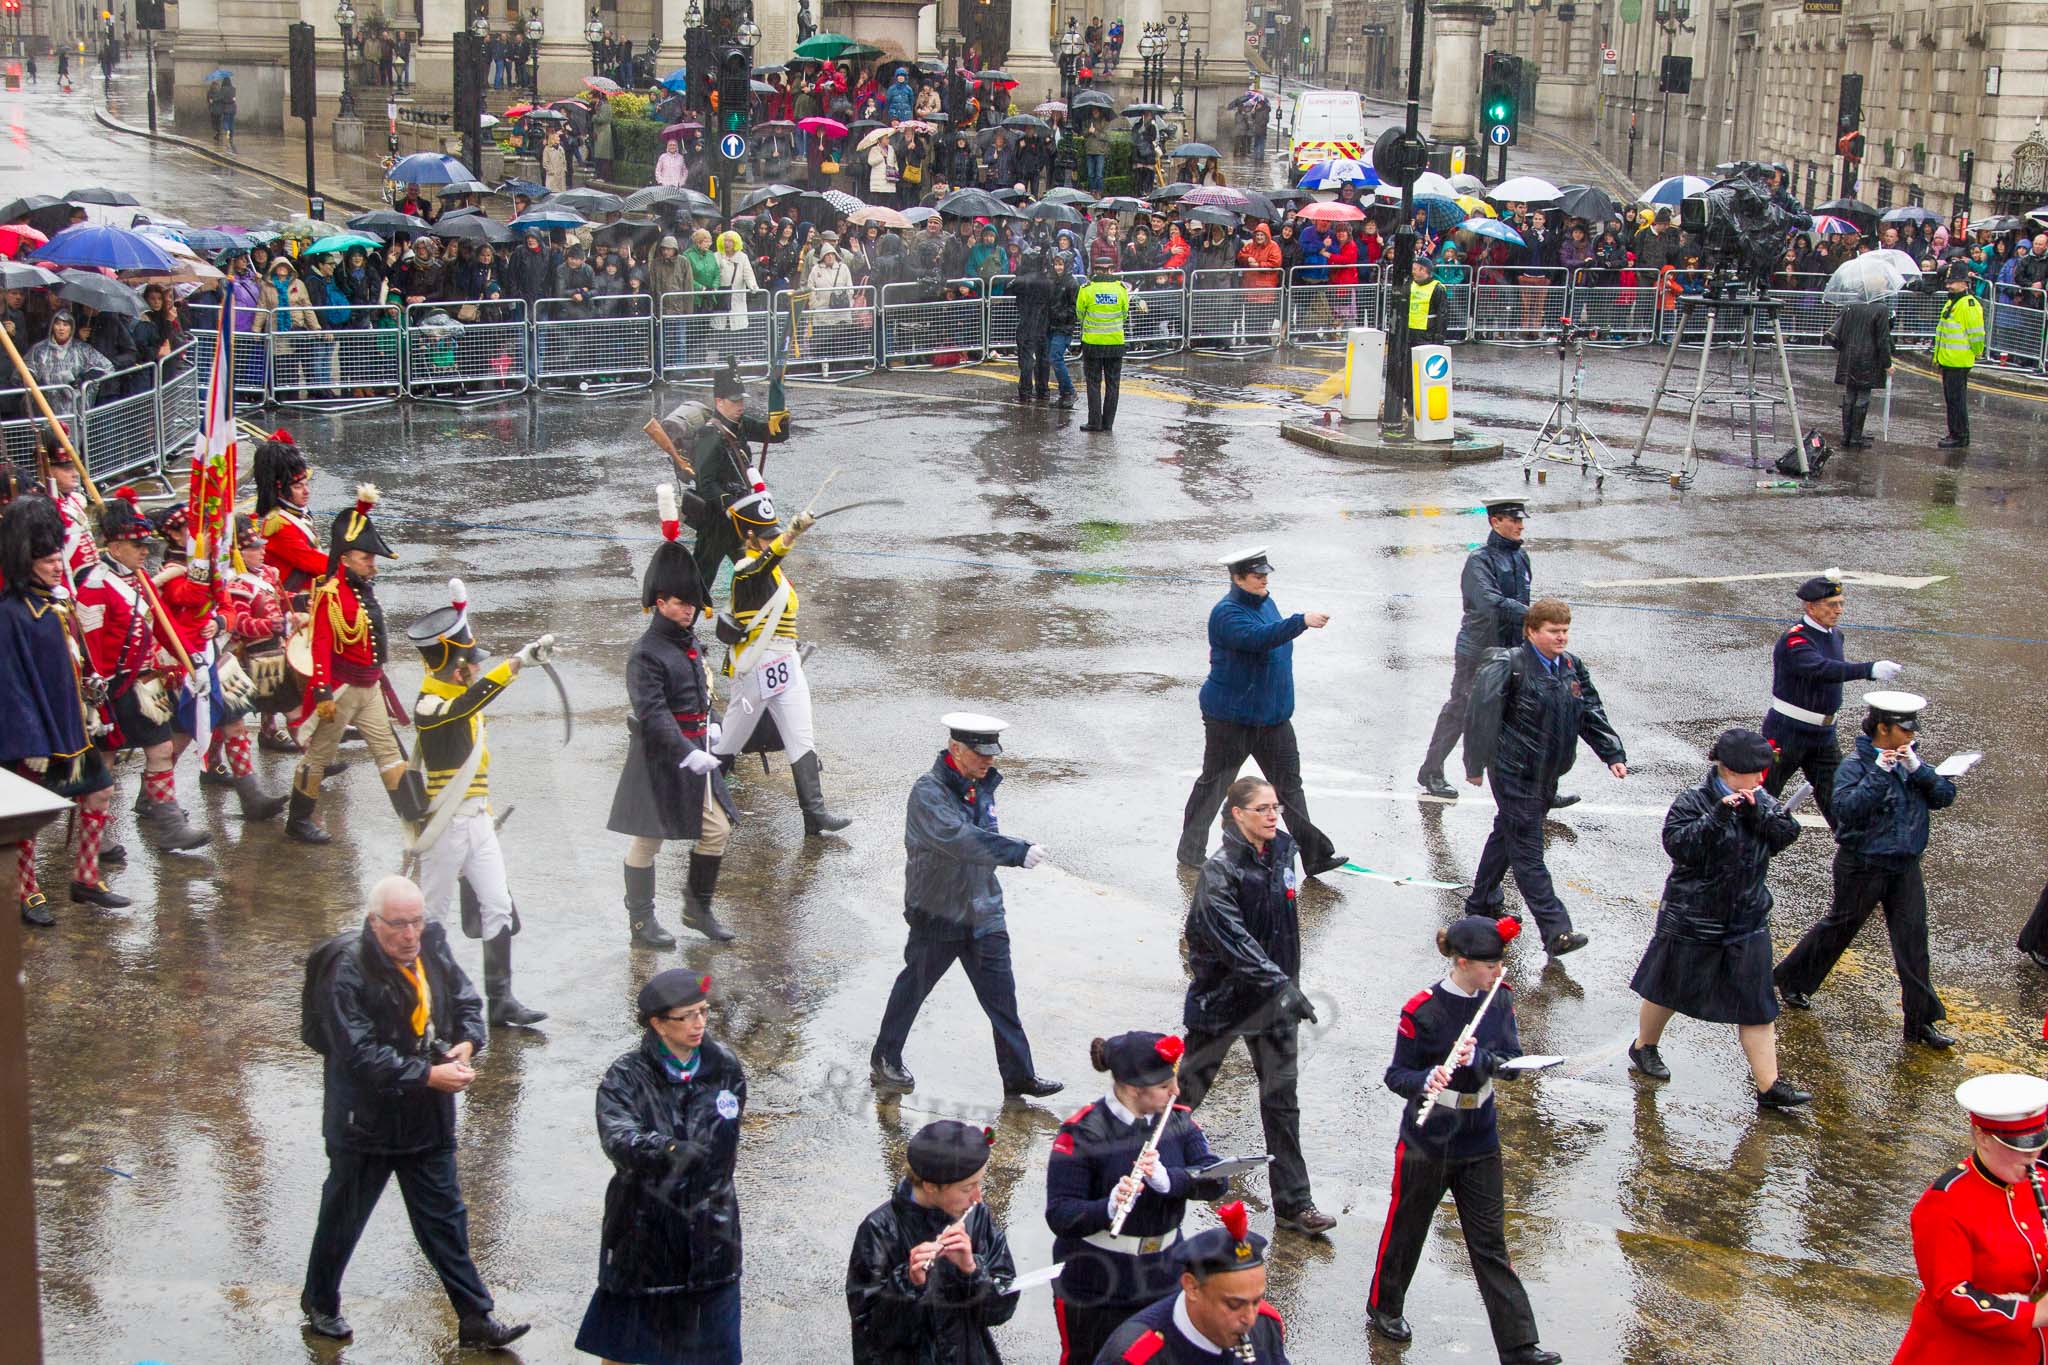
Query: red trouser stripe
[1059, 1315]
[1387, 1232]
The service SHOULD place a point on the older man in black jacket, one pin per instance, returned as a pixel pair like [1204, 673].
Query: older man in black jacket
[1034, 291]
[400, 1024]
[1862, 338]
[1495, 589]
[1530, 708]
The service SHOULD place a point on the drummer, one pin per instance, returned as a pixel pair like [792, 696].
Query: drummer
[1104, 1160]
[261, 623]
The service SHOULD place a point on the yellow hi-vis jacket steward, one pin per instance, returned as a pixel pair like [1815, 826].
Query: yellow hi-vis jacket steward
[1419, 296]
[1101, 307]
[1959, 335]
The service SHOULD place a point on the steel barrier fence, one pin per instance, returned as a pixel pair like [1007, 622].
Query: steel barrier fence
[944, 331]
[1914, 314]
[1002, 315]
[578, 349]
[835, 331]
[22, 420]
[464, 363]
[181, 399]
[1228, 314]
[1621, 313]
[1319, 313]
[350, 363]
[251, 359]
[695, 345]
[2013, 333]
[1518, 305]
[121, 433]
[1806, 316]
[1157, 324]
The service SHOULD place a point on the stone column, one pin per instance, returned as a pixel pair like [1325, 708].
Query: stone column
[928, 33]
[564, 57]
[1031, 61]
[1454, 102]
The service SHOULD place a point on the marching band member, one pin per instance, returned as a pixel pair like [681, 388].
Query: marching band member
[349, 651]
[121, 642]
[43, 731]
[284, 487]
[1978, 1236]
[1104, 1162]
[766, 669]
[260, 621]
[1219, 1312]
[672, 786]
[449, 719]
[1458, 1150]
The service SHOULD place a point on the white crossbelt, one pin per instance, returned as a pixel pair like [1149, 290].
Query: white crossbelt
[1133, 1246]
[1786, 708]
[1459, 1099]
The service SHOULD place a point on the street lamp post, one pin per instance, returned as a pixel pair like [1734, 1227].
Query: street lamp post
[345, 20]
[1070, 58]
[1280, 58]
[1149, 43]
[535, 31]
[1181, 79]
[593, 33]
[1195, 119]
[1671, 16]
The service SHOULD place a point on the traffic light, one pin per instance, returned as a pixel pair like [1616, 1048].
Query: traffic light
[469, 94]
[1849, 112]
[735, 77]
[149, 14]
[1500, 98]
[1850, 146]
[304, 91]
[1674, 77]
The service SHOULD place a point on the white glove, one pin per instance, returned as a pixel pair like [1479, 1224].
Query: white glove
[1884, 670]
[713, 733]
[701, 761]
[1887, 760]
[37, 763]
[1911, 758]
[1033, 856]
[1159, 1180]
[537, 651]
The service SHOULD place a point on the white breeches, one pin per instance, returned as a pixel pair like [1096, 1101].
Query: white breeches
[468, 848]
[778, 688]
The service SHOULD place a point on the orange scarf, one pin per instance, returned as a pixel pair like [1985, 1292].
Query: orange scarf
[421, 1012]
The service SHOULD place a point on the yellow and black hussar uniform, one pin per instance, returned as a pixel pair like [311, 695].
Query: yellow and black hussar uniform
[457, 844]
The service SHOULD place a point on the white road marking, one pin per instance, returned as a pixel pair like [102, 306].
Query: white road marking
[1859, 577]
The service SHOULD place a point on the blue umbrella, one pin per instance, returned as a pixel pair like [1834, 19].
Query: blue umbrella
[428, 168]
[1482, 226]
[213, 240]
[526, 187]
[547, 219]
[219, 73]
[112, 247]
[1672, 189]
[677, 80]
[1443, 213]
[1326, 175]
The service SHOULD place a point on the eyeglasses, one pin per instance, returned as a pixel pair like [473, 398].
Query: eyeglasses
[687, 1016]
[404, 926]
[1270, 808]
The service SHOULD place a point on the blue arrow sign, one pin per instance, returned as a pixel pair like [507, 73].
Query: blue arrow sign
[1436, 367]
[1498, 135]
[732, 147]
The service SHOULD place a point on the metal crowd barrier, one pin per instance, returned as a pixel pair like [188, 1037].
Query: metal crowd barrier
[2013, 336]
[1624, 314]
[580, 348]
[119, 424]
[941, 331]
[834, 332]
[1228, 315]
[1319, 312]
[181, 399]
[1806, 316]
[1914, 315]
[695, 345]
[448, 360]
[1002, 315]
[1158, 323]
[1517, 305]
[251, 358]
[20, 420]
[356, 359]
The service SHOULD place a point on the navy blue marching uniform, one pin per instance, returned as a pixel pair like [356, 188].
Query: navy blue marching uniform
[1169, 1332]
[1107, 1278]
[1495, 590]
[1154, 1337]
[1459, 1150]
[1809, 664]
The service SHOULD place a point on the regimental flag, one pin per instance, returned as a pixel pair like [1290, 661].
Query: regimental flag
[211, 502]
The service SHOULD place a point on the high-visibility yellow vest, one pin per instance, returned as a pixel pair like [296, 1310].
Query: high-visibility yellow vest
[1101, 307]
[1959, 335]
[1419, 297]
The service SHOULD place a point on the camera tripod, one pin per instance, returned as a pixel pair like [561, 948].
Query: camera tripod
[1563, 436]
[1745, 397]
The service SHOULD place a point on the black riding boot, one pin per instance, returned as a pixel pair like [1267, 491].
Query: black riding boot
[697, 899]
[810, 797]
[504, 1006]
[647, 930]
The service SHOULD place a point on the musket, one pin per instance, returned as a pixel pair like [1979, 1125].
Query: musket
[1430, 1102]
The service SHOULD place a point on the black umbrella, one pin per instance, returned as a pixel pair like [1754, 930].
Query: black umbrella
[97, 291]
[20, 275]
[2003, 222]
[1029, 122]
[544, 116]
[1173, 191]
[1011, 194]
[1293, 194]
[1133, 110]
[862, 125]
[463, 212]
[992, 75]
[470, 227]
[385, 222]
[1195, 149]
[1583, 201]
[22, 208]
[1090, 99]
[1911, 213]
[689, 201]
[1045, 211]
[1855, 210]
[628, 229]
[763, 195]
[588, 202]
[99, 195]
[972, 204]
[457, 187]
[1122, 203]
[534, 192]
[1221, 217]
[1068, 195]
[770, 70]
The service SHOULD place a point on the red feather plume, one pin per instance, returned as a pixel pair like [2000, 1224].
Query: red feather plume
[283, 436]
[1236, 1221]
[704, 984]
[1508, 927]
[1170, 1049]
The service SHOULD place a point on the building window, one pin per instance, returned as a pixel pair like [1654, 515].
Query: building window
[1884, 194]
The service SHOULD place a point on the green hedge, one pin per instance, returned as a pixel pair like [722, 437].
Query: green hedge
[1116, 170]
[636, 144]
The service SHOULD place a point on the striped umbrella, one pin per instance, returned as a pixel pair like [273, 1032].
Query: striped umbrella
[1673, 188]
[1827, 225]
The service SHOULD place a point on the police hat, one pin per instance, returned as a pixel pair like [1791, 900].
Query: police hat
[1138, 1058]
[1220, 1250]
[983, 734]
[1505, 507]
[1741, 750]
[676, 988]
[1821, 587]
[949, 1151]
[1249, 559]
[1896, 708]
[1479, 938]
[2010, 1108]
[1959, 273]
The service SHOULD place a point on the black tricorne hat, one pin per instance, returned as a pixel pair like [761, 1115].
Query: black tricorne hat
[676, 988]
[948, 1151]
[443, 635]
[30, 529]
[1742, 750]
[353, 529]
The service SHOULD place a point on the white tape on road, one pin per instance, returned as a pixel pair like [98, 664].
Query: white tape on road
[1861, 578]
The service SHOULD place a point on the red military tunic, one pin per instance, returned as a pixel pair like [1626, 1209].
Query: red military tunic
[190, 606]
[346, 647]
[119, 640]
[80, 551]
[291, 547]
[255, 610]
[1982, 1253]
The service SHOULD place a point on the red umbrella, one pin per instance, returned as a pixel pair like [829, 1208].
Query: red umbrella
[515, 110]
[15, 236]
[1331, 212]
[824, 127]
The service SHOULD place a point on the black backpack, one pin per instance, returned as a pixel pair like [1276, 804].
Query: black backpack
[320, 965]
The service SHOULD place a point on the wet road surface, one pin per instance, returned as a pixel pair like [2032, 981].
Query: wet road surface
[1061, 581]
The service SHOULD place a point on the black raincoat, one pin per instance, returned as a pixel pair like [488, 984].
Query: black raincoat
[1862, 338]
[1526, 722]
[658, 798]
[947, 1321]
[671, 1215]
[1719, 858]
[1243, 935]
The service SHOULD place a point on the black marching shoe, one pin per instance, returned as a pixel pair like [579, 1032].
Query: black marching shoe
[1798, 1000]
[1532, 1354]
[1438, 786]
[1559, 800]
[697, 899]
[331, 1325]
[810, 798]
[2038, 958]
[1930, 1035]
[100, 894]
[889, 1075]
[1322, 865]
[1567, 941]
[1782, 1095]
[1033, 1087]
[1307, 1219]
[113, 855]
[299, 823]
[647, 930]
[486, 1333]
[1953, 442]
[216, 775]
[35, 911]
[505, 1009]
[1392, 1326]
[1645, 1058]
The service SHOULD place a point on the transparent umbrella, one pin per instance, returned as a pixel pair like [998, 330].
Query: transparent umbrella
[1873, 275]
